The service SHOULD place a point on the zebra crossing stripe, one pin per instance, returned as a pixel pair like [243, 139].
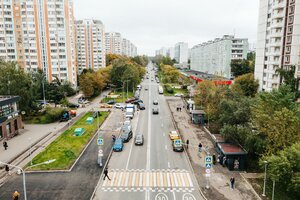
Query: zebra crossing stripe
[182, 179]
[168, 180]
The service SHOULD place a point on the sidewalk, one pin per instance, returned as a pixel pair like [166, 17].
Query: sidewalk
[219, 180]
[33, 133]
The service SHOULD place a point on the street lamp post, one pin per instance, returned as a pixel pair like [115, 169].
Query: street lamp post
[44, 93]
[273, 192]
[127, 88]
[23, 172]
[265, 179]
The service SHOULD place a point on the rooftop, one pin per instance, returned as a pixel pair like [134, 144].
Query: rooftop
[4, 100]
[231, 149]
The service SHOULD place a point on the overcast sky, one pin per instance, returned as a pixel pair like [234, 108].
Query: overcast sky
[152, 24]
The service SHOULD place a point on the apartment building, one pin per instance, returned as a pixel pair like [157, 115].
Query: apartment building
[128, 48]
[39, 35]
[181, 52]
[171, 52]
[90, 44]
[161, 52]
[214, 57]
[113, 43]
[278, 41]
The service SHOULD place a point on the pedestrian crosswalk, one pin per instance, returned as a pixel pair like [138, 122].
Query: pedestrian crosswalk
[152, 180]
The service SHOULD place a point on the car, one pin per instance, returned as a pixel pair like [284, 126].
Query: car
[157, 81]
[126, 136]
[141, 106]
[155, 111]
[130, 100]
[137, 101]
[127, 122]
[105, 105]
[178, 145]
[146, 89]
[174, 135]
[152, 80]
[119, 106]
[96, 113]
[139, 139]
[111, 102]
[155, 102]
[73, 105]
[126, 127]
[178, 95]
[118, 145]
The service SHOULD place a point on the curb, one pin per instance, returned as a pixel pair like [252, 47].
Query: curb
[187, 157]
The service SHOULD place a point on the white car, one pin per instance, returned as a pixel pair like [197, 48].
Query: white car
[119, 106]
[178, 95]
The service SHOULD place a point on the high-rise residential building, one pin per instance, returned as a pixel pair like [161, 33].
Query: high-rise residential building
[133, 50]
[278, 41]
[90, 44]
[39, 34]
[126, 46]
[214, 57]
[113, 43]
[171, 52]
[181, 52]
[161, 52]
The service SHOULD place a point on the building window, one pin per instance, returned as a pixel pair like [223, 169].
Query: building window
[265, 75]
[8, 129]
[1, 132]
[265, 67]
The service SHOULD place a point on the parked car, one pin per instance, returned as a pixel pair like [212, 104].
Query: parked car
[137, 101]
[130, 100]
[119, 106]
[155, 111]
[105, 105]
[126, 127]
[96, 113]
[118, 145]
[126, 136]
[73, 105]
[178, 95]
[139, 139]
[174, 135]
[141, 106]
[155, 102]
[111, 102]
[178, 147]
[146, 89]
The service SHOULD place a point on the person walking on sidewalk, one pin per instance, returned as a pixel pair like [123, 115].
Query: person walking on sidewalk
[200, 147]
[7, 169]
[187, 143]
[106, 174]
[232, 181]
[5, 145]
[16, 195]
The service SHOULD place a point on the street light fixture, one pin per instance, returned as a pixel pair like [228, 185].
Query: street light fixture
[20, 170]
[265, 179]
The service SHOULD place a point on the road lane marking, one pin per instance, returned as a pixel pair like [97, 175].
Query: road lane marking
[182, 179]
[120, 179]
[166, 147]
[169, 165]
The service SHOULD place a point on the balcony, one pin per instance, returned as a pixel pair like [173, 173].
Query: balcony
[280, 5]
[276, 44]
[277, 34]
[277, 24]
[278, 15]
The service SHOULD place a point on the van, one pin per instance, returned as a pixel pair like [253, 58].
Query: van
[160, 90]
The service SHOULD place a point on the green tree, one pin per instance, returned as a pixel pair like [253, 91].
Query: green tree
[246, 84]
[240, 67]
[87, 84]
[288, 77]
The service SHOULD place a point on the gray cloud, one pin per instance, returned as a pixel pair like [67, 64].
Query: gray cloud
[151, 24]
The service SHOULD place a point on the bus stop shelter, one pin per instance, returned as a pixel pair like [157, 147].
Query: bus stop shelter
[198, 116]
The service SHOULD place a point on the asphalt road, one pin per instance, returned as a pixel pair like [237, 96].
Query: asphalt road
[78, 184]
[152, 171]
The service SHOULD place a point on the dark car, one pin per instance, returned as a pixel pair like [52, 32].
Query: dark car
[96, 113]
[126, 136]
[139, 139]
[73, 105]
[155, 111]
[111, 102]
[130, 100]
[141, 106]
[137, 101]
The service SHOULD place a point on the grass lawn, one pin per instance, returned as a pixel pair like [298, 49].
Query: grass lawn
[280, 194]
[119, 99]
[66, 148]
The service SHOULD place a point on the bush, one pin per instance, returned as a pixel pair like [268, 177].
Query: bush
[169, 89]
[53, 114]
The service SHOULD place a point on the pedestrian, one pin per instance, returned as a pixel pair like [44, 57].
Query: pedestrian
[187, 143]
[232, 182]
[5, 145]
[7, 169]
[16, 195]
[177, 109]
[180, 109]
[114, 138]
[224, 161]
[214, 159]
[106, 174]
[200, 147]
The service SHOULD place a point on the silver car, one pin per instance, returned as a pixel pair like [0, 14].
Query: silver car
[139, 139]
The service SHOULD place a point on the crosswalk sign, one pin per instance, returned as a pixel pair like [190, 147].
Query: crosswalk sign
[100, 141]
[208, 166]
[208, 159]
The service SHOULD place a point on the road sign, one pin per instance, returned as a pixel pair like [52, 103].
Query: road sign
[177, 142]
[100, 141]
[208, 159]
[207, 171]
[208, 166]
[207, 175]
